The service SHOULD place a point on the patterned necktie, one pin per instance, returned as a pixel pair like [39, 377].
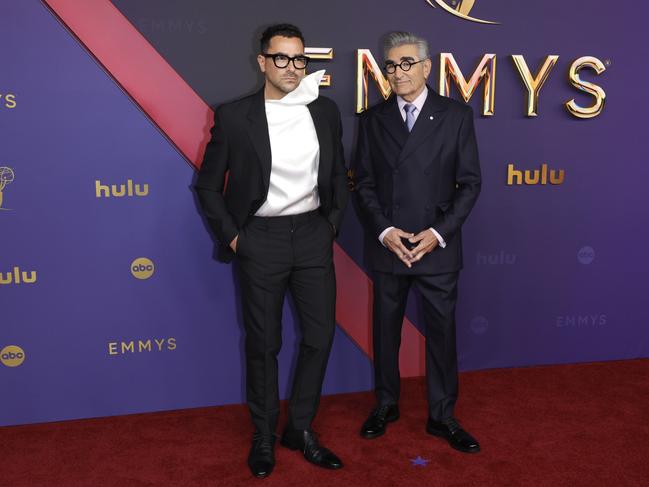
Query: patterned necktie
[410, 115]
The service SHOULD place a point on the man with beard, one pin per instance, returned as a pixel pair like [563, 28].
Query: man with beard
[283, 204]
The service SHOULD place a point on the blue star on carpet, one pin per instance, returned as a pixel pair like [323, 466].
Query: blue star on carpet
[419, 462]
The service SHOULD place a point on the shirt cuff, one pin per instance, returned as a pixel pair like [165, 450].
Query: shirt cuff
[441, 241]
[383, 234]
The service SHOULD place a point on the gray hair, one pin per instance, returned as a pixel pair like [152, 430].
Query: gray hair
[396, 39]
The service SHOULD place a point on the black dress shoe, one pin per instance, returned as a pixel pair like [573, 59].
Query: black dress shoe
[261, 459]
[454, 434]
[307, 441]
[378, 421]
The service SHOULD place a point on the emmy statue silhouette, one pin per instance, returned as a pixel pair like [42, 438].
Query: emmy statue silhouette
[6, 177]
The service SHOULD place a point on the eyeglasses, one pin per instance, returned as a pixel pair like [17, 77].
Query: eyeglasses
[404, 65]
[281, 60]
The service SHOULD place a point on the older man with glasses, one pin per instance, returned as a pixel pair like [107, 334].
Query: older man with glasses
[417, 179]
[285, 197]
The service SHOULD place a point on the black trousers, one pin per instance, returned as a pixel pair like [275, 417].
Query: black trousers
[439, 293]
[277, 254]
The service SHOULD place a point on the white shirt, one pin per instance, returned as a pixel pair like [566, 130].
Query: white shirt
[418, 103]
[295, 152]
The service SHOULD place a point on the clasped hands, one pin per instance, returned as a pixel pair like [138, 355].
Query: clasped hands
[426, 242]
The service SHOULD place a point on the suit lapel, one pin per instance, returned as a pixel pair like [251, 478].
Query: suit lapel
[393, 123]
[258, 132]
[323, 130]
[428, 121]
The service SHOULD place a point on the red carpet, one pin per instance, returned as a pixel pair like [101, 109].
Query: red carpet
[573, 425]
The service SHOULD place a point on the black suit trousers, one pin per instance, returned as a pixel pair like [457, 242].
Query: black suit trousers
[439, 296]
[277, 254]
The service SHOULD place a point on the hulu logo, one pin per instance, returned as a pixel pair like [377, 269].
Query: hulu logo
[534, 177]
[120, 190]
[17, 277]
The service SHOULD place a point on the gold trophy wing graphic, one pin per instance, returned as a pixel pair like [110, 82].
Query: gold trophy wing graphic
[462, 10]
[465, 6]
[7, 176]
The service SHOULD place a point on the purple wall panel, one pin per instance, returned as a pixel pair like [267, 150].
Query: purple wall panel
[72, 126]
[528, 296]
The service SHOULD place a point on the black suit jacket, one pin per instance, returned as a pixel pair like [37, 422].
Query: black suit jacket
[240, 148]
[429, 177]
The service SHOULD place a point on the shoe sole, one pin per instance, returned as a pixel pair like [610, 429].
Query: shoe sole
[372, 436]
[442, 435]
[261, 475]
[328, 467]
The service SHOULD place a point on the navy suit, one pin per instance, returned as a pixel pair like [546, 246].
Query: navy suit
[429, 177]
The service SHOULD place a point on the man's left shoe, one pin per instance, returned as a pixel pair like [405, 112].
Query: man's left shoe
[454, 434]
[376, 424]
[261, 459]
[307, 441]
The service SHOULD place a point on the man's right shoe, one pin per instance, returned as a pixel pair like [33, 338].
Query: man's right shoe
[378, 420]
[307, 442]
[261, 459]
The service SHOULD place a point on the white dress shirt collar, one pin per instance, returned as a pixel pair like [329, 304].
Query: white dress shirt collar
[417, 102]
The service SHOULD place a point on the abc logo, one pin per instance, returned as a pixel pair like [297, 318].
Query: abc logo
[479, 325]
[12, 356]
[586, 255]
[142, 268]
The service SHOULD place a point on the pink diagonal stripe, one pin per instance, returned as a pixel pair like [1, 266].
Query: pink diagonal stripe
[145, 75]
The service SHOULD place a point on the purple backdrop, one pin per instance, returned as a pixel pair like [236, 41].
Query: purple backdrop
[553, 274]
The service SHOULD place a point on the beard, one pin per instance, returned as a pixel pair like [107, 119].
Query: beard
[286, 84]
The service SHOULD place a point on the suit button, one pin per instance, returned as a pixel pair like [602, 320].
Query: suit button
[427, 172]
[396, 171]
[427, 207]
[396, 207]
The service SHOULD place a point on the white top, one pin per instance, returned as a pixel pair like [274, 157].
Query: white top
[418, 103]
[295, 152]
